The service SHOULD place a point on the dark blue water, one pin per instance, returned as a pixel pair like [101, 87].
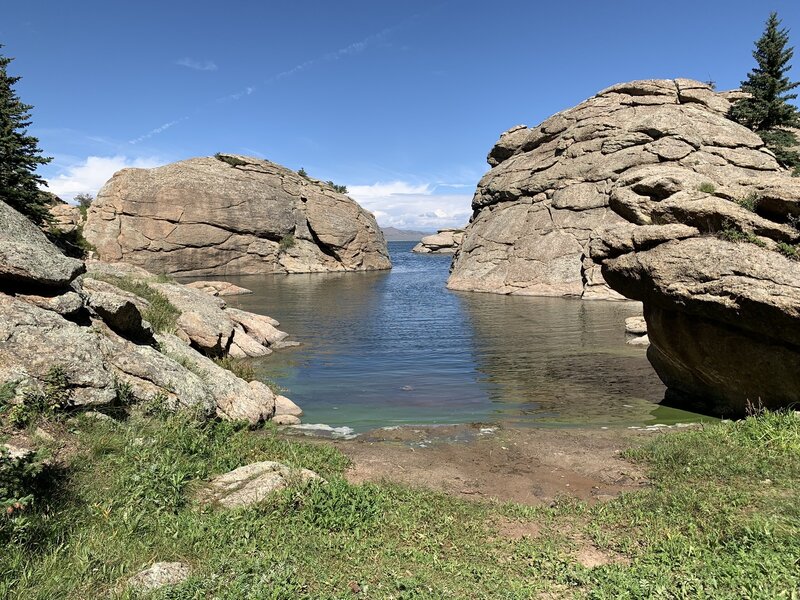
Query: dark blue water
[397, 347]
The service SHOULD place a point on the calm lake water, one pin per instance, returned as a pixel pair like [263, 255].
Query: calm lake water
[396, 347]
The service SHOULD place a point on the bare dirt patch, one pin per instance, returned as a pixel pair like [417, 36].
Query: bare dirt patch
[530, 466]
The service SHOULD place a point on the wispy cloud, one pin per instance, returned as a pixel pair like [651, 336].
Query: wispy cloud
[348, 50]
[197, 65]
[157, 130]
[89, 175]
[413, 205]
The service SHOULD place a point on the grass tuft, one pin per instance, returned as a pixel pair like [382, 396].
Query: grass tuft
[161, 313]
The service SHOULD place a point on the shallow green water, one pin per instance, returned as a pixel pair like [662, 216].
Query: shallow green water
[396, 347]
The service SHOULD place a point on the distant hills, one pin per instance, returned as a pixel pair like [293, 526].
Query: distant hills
[392, 234]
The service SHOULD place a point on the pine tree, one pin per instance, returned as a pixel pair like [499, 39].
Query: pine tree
[20, 154]
[767, 110]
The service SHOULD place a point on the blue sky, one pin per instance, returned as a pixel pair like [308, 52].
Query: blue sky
[400, 101]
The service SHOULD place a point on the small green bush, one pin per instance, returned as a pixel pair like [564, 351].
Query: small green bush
[52, 397]
[788, 250]
[302, 173]
[19, 483]
[162, 314]
[707, 188]
[287, 242]
[239, 367]
[750, 202]
[231, 160]
[342, 189]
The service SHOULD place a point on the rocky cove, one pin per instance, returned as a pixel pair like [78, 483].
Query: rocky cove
[644, 199]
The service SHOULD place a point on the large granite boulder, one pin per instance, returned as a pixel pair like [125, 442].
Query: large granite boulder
[648, 192]
[91, 330]
[622, 156]
[444, 241]
[28, 259]
[231, 215]
[723, 320]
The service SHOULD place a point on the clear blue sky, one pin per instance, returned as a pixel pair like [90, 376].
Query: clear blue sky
[400, 101]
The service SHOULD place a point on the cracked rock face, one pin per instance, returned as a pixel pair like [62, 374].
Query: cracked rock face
[635, 153]
[204, 216]
[648, 192]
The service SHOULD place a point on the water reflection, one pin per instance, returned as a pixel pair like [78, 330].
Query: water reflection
[561, 361]
[396, 347]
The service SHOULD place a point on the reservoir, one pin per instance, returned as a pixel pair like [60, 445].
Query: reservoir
[387, 348]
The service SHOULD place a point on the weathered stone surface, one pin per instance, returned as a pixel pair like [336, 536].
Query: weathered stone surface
[234, 398]
[636, 325]
[284, 407]
[27, 258]
[118, 309]
[638, 153]
[722, 319]
[66, 217]
[159, 575]
[69, 304]
[445, 241]
[204, 216]
[252, 483]
[202, 318]
[218, 288]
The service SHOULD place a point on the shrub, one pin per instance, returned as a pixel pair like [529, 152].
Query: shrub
[342, 189]
[287, 242]
[239, 367]
[732, 233]
[707, 188]
[161, 313]
[750, 202]
[788, 250]
[302, 173]
[84, 201]
[19, 479]
[231, 160]
[52, 397]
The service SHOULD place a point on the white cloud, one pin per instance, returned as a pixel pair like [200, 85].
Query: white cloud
[412, 206]
[89, 175]
[197, 65]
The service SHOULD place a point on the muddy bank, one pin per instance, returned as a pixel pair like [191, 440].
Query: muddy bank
[530, 466]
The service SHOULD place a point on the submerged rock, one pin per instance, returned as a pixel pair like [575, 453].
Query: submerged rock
[231, 215]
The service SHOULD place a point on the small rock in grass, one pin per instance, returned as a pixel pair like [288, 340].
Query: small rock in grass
[159, 575]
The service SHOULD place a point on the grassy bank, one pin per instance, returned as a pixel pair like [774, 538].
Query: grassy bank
[721, 520]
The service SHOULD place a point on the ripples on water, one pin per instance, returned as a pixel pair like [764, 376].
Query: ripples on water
[396, 347]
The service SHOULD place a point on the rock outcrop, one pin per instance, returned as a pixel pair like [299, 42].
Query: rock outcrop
[252, 483]
[647, 191]
[94, 330]
[231, 215]
[618, 157]
[444, 241]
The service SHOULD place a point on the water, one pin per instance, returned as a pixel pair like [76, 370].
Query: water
[391, 348]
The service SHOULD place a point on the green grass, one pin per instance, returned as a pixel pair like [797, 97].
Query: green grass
[287, 242]
[161, 313]
[238, 366]
[749, 202]
[789, 250]
[721, 520]
[707, 188]
[732, 234]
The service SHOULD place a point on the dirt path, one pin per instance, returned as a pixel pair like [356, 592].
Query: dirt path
[531, 466]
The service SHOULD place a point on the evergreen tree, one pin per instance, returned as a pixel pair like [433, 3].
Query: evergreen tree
[767, 111]
[20, 154]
